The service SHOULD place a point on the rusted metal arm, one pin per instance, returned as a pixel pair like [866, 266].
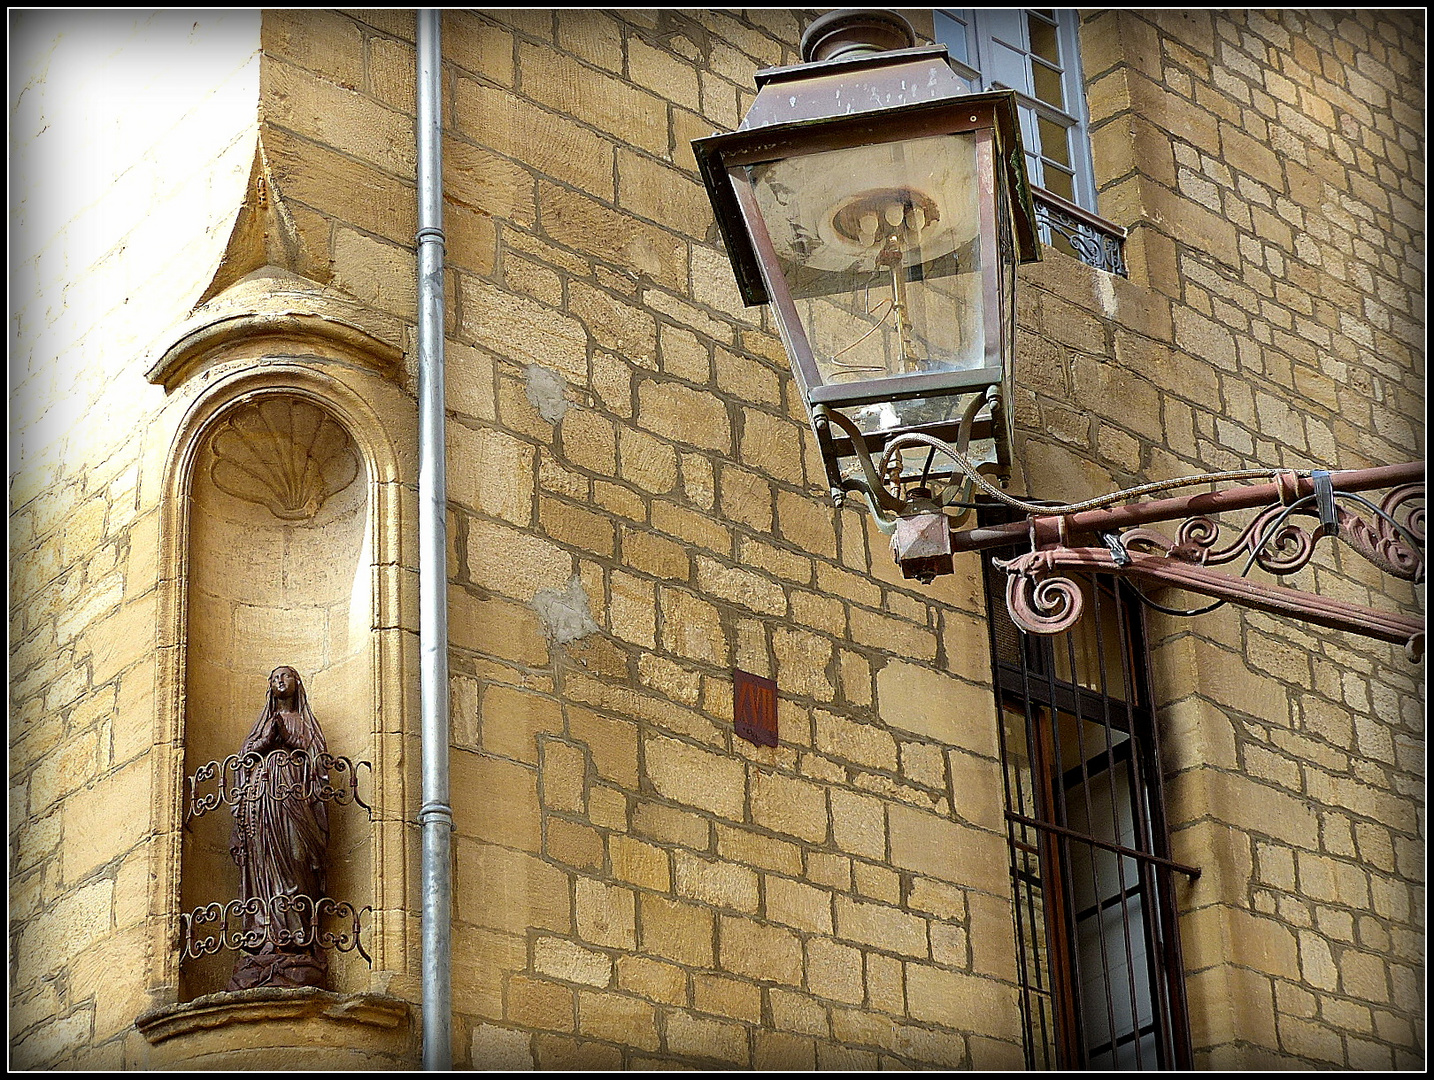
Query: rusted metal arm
[1055, 529]
[1041, 599]
[1046, 604]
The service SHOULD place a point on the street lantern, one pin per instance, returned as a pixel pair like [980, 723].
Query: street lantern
[881, 210]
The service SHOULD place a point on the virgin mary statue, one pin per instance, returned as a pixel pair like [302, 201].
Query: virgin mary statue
[280, 839]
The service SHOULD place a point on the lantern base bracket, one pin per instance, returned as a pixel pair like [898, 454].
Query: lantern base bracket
[921, 541]
[893, 494]
[924, 536]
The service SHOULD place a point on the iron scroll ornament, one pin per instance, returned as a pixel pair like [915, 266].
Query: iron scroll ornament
[317, 775]
[1041, 600]
[253, 934]
[1091, 245]
[1280, 546]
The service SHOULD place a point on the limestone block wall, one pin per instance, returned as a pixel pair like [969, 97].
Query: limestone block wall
[636, 509]
[1269, 167]
[636, 512]
[132, 139]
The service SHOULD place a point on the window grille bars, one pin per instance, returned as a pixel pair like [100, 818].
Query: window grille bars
[1098, 962]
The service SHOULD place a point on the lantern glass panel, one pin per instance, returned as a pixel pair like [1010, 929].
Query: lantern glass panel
[880, 249]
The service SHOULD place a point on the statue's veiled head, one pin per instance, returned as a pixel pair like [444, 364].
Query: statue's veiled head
[287, 696]
[285, 684]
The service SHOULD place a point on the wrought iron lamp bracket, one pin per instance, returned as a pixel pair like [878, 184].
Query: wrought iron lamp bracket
[1042, 600]
[889, 496]
[1280, 546]
[884, 505]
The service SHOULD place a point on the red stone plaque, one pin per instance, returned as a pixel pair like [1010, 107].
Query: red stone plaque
[754, 708]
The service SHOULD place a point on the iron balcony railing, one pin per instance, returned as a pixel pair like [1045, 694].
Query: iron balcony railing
[1090, 238]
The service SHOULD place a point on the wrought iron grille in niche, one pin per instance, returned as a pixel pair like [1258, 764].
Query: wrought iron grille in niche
[324, 778]
[213, 927]
[1097, 950]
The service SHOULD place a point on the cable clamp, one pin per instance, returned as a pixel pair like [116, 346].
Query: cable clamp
[1324, 501]
[1287, 483]
[1118, 553]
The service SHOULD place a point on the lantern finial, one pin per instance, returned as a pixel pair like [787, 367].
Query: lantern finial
[853, 32]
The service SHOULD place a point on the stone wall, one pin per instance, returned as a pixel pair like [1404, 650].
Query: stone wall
[1269, 167]
[635, 512]
[636, 509]
[133, 135]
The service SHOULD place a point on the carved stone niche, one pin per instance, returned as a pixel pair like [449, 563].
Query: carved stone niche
[288, 504]
[280, 573]
[302, 1029]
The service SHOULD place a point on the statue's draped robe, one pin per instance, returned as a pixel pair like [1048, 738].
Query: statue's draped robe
[281, 841]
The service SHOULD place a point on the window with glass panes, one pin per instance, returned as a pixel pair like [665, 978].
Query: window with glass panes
[1036, 54]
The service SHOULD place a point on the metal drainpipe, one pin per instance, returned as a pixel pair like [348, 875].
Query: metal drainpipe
[436, 815]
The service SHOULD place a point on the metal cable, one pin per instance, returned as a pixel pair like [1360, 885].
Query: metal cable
[917, 439]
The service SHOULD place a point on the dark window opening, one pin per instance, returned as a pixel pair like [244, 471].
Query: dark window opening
[1097, 951]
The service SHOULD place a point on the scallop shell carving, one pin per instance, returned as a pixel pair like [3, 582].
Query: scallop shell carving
[284, 453]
